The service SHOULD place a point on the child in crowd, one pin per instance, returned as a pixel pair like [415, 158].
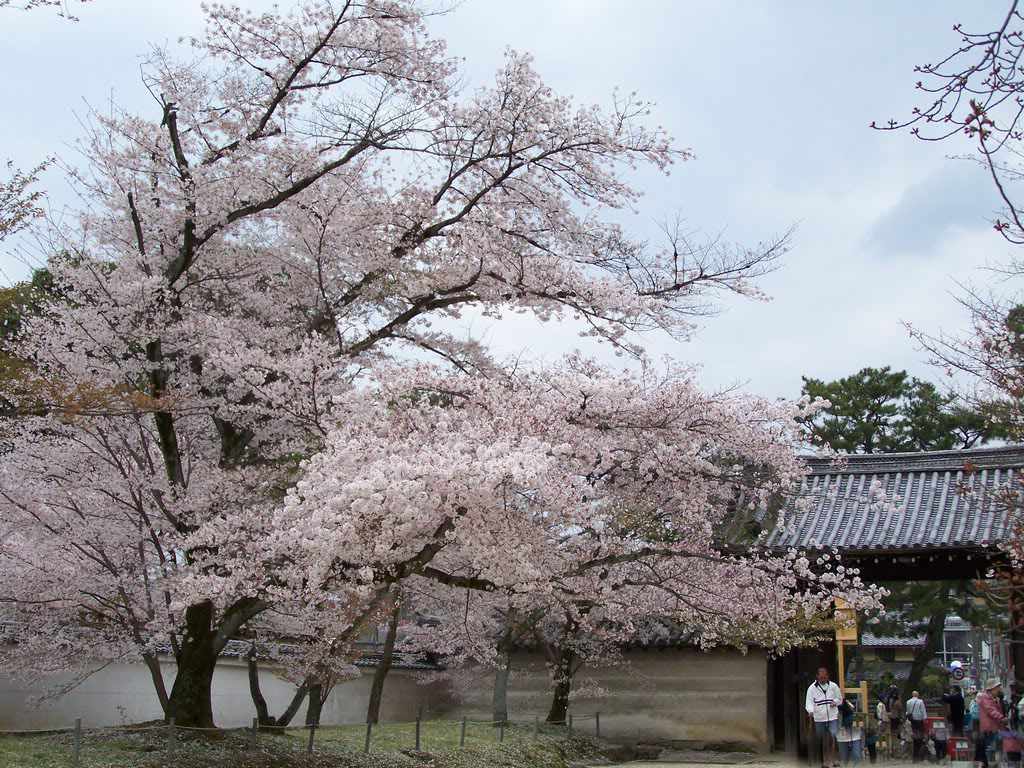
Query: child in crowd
[850, 748]
[850, 739]
[940, 737]
[871, 735]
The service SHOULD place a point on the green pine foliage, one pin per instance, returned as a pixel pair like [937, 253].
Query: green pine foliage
[878, 410]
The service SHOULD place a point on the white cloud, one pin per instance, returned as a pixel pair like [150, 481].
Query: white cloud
[774, 98]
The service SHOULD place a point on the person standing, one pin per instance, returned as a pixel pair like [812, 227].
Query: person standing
[957, 706]
[917, 713]
[822, 707]
[895, 707]
[990, 720]
[850, 742]
[971, 716]
[940, 738]
[881, 731]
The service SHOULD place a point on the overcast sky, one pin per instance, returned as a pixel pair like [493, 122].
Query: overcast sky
[774, 98]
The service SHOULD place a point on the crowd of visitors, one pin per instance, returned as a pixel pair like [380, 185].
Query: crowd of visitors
[992, 720]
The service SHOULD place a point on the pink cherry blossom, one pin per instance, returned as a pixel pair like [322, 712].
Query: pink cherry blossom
[241, 406]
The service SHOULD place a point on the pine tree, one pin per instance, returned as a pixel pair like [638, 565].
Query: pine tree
[878, 410]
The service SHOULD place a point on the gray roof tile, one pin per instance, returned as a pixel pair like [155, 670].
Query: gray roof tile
[868, 640]
[933, 509]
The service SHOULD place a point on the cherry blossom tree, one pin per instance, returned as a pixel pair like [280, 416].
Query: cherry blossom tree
[628, 522]
[228, 417]
[976, 93]
[384, 662]
[20, 204]
[63, 7]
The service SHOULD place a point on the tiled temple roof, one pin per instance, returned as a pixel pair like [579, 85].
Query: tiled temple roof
[945, 499]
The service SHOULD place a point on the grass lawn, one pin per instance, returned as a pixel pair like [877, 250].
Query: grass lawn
[392, 746]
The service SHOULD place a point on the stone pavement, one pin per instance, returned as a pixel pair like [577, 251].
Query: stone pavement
[693, 764]
[698, 759]
[691, 758]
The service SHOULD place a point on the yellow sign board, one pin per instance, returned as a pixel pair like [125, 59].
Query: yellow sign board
[846, 622]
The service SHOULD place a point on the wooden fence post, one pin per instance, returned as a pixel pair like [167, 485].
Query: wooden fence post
[76, 745]
[570, 726]
[501, 731]
[170, 740]
[597, 725]
[255, 729]
[418, 732]
[366, 744]
[312, 734]
[462, 735]
[536, 728]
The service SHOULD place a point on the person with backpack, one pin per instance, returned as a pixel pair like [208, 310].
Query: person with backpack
[850, 737]
[917, 713]
[971, 716]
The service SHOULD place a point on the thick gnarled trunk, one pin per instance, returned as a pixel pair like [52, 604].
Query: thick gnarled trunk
[499, 700]
[564, 670]
[190, 702]
[316, 703]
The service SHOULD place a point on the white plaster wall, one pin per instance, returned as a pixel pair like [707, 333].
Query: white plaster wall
[671, 695]
[674, 695]
[123, 693]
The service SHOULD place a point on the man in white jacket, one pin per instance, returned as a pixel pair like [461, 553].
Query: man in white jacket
[822, 705]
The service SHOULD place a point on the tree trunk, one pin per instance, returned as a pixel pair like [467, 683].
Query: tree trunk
[500, 698]
[563, 686]
[263, 717]
[293, 707]
[190, 701]
[156, 673]
[384, 666]
[316, 703]
[932, 642]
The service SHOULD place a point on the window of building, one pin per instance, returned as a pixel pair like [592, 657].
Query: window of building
[956, 646]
